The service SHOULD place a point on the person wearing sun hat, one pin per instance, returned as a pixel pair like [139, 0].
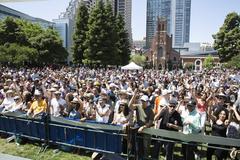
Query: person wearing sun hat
[122, 95]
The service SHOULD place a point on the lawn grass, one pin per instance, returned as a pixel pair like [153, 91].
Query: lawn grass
[31, 151]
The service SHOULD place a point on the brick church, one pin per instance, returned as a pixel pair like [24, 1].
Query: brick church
[161, 54]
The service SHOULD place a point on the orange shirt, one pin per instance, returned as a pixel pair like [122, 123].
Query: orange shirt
[156, 104]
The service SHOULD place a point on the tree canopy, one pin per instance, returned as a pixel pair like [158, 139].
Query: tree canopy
[227, 40]
[208, 62]
[104, 40]
[22, 43]
[79, 37]
[138, 59]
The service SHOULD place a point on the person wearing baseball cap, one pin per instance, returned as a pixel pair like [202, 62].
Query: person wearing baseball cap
[191, 125]
[144, 118]
[170, 120]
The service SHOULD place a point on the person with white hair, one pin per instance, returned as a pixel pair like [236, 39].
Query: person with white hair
[57, 105]
[8, 100]
[17, 105]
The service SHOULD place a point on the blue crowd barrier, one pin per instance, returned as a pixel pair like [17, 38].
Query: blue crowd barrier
[19, 124]
[74, 133]
[89, 135]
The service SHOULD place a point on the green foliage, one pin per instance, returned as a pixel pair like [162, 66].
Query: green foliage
[208, 62]
[138, 59]
[101, 37]
[123, 44]
[23, 43]
[96, 34]
[227, 40]
[234, 62]
[16, 54]
[107, 40]
[79, 36]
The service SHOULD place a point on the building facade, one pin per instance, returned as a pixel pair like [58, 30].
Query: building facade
[6, 11]
[161, 54]
[124, 7]
[176, 12]
[195, 60]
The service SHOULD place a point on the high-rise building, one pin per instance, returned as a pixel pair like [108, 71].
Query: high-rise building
[176, 12]
[124, 7]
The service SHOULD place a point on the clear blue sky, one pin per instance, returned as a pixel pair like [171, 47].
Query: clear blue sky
[206, 15]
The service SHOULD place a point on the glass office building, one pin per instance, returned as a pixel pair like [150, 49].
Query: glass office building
[177, 13]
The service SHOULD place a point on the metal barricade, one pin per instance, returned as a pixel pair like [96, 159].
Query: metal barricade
[91, 136]
[99, 137]
[17, 123]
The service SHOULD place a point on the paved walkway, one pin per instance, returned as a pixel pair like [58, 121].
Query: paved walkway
[9, 157]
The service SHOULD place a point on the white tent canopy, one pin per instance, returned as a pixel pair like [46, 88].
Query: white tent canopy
[132, 66]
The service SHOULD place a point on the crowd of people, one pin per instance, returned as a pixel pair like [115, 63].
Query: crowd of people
[180, 101]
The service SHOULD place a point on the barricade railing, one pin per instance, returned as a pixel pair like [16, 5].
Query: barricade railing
[60, 131]
[98, 137]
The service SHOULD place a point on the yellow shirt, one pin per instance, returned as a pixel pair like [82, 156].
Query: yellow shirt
[36, 106]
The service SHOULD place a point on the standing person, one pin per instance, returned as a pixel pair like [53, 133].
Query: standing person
[191, 125]
[8, 101]
[122, 96]
[102, 110]
[58, 105]
[75, 112]
[171, 120]
[38, 106]
[144, 119]
[219, 128]
[202, 106]
[124, 115]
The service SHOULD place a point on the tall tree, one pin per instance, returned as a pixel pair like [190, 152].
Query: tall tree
[101, 36]
[95, 35]
[110, 55]
[123, 44]
[79, 36]
[227, 40]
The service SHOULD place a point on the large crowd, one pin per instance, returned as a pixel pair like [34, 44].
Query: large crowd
[180, 101]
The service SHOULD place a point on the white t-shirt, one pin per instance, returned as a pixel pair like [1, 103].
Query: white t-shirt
[16, 107]
[102, 110]
[55, 109]
[7, 102]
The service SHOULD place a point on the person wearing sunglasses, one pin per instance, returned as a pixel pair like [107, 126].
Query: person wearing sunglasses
[170, 120]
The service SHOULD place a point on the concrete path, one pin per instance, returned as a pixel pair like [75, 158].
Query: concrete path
[9, 157]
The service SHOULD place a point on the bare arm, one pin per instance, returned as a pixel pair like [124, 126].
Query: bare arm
[130, 105]
[236, 114]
